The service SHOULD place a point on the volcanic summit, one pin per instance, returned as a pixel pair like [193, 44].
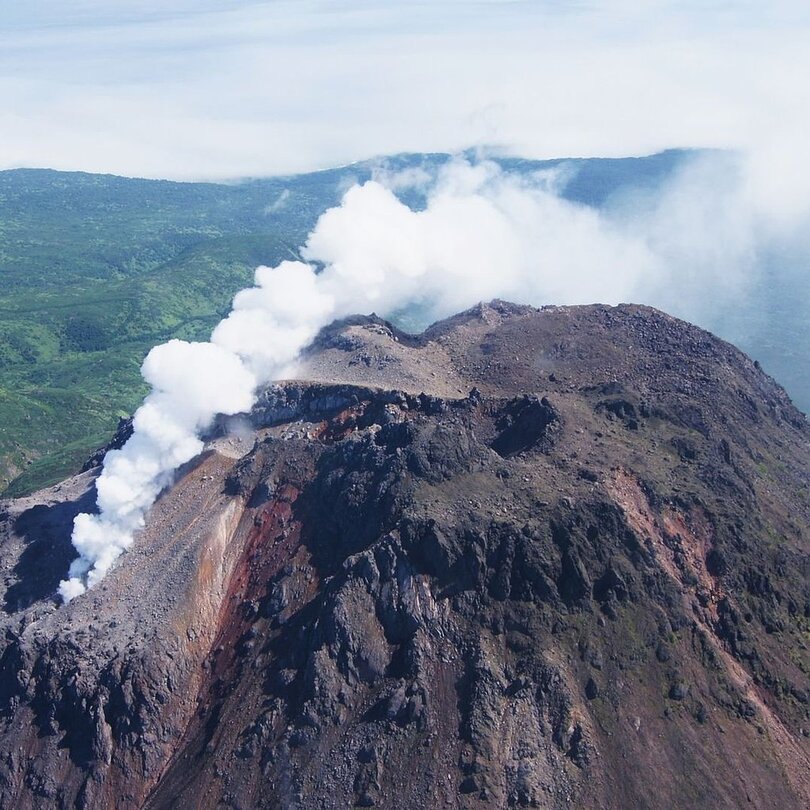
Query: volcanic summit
[551, 558]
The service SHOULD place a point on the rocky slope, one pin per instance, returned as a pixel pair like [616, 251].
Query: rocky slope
[531, 558]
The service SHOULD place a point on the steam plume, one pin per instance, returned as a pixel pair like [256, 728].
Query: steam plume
[483, 234]
[191, 383]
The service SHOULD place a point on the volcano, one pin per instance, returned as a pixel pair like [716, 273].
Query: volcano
[529, 558]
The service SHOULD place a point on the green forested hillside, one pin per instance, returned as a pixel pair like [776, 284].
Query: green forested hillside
[95, 269]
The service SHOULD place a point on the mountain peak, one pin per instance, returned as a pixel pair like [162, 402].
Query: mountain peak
[549, 558]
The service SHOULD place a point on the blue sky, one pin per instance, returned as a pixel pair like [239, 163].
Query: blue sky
[214, 89]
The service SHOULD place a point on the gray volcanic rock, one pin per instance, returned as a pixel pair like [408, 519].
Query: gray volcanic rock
[530, 558]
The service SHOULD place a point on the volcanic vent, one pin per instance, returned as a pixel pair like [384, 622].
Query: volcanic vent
[530, 558]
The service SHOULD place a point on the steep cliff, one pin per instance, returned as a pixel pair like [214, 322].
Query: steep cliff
[531, 558]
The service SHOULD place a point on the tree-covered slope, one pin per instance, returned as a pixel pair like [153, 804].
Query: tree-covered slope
[95, 270]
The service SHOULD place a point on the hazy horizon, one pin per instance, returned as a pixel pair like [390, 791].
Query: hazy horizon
[221, 90]
[376, 160]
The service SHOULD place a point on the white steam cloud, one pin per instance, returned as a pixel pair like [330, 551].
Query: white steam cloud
[484, 233]
[191, 383]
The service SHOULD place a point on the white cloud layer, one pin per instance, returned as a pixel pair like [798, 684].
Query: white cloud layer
[214, 89]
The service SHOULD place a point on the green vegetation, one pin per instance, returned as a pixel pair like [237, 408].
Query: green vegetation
[96, 270]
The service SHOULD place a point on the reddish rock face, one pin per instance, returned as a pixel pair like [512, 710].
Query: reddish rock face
[551, 558]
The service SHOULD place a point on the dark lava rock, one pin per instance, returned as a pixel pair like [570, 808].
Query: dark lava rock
[120, 438]
[678, 691]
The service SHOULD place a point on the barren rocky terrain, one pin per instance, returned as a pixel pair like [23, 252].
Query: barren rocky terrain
[531, 558]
